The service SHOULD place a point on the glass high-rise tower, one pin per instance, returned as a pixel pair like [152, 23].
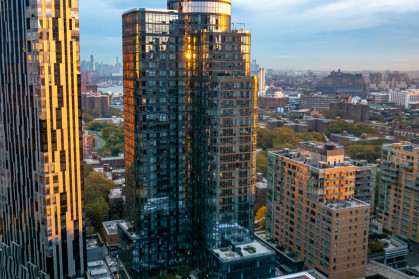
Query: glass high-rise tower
[190, 114]
[41, 185]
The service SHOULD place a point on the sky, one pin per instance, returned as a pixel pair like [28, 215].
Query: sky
[351, 35]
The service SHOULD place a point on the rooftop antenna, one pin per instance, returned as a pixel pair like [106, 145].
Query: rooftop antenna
[244, 26]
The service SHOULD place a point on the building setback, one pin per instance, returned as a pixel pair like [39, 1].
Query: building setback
[190, 130]
[398, 200]
[41, 150]
[311, 211]
[365, 181]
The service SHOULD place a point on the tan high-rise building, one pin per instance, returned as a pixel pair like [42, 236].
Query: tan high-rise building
[398, 200]
[41, 185]
[262, 81]
[311, 211]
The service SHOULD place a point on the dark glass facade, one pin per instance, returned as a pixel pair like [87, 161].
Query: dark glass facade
[155, 78]
[222, 138]
[41, 185]
[190, 118]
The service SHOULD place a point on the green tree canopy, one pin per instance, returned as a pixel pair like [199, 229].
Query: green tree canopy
[375, 246]
[87, 169]
[339, 126]
[97, 188]
[96, 184]
[262, 163]
[97, 210]
[99, 126]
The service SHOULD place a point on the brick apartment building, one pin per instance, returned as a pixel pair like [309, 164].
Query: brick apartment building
[312, 213]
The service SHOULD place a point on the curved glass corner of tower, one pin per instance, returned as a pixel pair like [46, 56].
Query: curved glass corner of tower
[210, 15]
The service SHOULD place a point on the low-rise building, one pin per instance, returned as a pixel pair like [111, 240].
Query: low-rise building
[88, 144]
[110, 235]
[113, 120]
[382, 129]
[116, 202]
[394, 254]
[377, 270]
[95, 250]
[115, 162]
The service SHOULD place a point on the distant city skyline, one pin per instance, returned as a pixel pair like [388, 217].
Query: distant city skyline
[352, 35]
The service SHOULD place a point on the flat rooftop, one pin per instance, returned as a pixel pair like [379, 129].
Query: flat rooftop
[307, 160]
[311, 274]
[115, 193]
[344, 204]
[374, 269]
[111, 227]
[255, 248]
[128, 229]
[110, 158]
[92, 161]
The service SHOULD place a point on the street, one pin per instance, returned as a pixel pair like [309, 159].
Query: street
[99, 142]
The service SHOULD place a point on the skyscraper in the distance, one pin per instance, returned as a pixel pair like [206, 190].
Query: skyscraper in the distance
[190, 129]
[92, 63]
[262, 81]
[41, 185]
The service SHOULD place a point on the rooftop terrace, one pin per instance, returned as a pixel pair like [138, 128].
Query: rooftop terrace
[345, 204]
[239, 252]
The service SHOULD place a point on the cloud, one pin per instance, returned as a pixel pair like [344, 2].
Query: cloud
[288, 33]
[323, 16]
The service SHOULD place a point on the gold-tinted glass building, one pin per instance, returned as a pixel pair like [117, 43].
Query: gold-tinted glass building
[41, 186]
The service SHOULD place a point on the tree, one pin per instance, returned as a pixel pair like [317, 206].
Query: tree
[112, 112]
[261, 219]
[361, 152]
[106, 132]
[261, 213]
[99, 126]
[96, 184]
[262, 162]
[87, 169]
[106, 153]
[375, 246]
[97, 210]
[89, 114]
[97, 188]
